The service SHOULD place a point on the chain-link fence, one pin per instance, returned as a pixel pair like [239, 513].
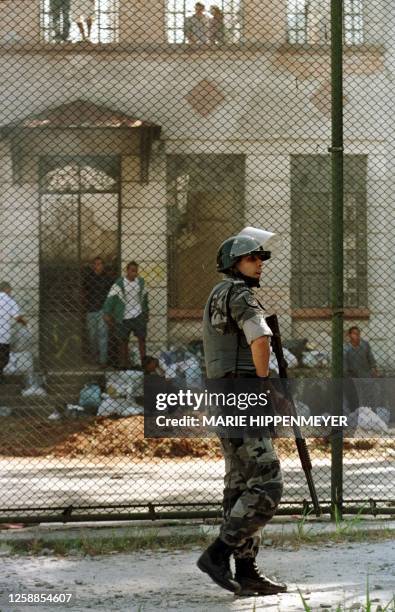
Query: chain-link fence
[135, 137]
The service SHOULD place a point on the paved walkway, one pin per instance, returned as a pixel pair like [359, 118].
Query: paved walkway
[163, 580]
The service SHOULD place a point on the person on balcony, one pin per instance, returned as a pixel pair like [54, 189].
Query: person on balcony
[197, 26]
[60, 18]
[83, 14]
[216, 26]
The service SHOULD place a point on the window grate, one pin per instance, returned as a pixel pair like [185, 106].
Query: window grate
[179, 10]
[299, 18]
[353, 22]
[61, 23]
[297, 21]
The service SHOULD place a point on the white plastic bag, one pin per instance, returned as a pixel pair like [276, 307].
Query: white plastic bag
[290, 358]
[118, 406]
[315, 359]
[192, 371]
[127, 383]
[369, 421]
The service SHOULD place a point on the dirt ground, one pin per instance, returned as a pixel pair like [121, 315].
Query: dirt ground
[326, 575]
[124, 437]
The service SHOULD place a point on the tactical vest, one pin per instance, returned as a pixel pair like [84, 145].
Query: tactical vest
[224, 342]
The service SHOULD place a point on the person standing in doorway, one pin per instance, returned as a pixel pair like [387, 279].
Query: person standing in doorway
[127, 304]
[96, 285]
[9, 312]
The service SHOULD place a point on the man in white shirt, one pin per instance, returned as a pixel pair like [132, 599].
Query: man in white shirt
[9, 312]
[127, 304]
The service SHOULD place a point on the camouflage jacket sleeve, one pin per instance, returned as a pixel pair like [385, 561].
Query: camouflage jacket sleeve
[248, 314]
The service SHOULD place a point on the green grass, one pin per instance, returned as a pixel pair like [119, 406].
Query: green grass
[133, 539]
[87, 545]
[345, 526]
[367, 606]
[304, 531]
[346, 530]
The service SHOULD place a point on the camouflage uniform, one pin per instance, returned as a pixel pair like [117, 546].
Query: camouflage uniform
[253, 481]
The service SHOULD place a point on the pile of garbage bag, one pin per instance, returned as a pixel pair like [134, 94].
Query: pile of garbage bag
[182, 365]
[125, 383]
[306, 356]
[368, 420]
[122, 388]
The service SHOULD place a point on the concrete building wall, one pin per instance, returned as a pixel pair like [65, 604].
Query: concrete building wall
[19, 241]
[144, 238]
[267, 102]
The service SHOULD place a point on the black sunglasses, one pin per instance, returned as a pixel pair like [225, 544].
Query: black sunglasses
[262, 255]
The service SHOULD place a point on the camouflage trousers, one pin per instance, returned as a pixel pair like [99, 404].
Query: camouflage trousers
[253, 489]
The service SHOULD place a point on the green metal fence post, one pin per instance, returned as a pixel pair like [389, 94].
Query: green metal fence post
[337, 242]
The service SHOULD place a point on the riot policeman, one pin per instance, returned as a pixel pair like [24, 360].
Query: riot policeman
[236, 344]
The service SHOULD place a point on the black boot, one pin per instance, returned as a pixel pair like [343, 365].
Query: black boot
[215, 561]
[252, 582]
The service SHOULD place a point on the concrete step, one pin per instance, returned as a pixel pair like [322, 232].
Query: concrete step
[66, 390]
[8, 389]
[14, 379]
[62, 388]
[33, 413]
[34, 400]
[54, 376]
[74, 376]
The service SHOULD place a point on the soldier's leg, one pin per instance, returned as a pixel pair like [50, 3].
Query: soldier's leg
[215, 560]
[235, 485]
[257, 475]
[259, 466]
[253, 487]
[234, 479]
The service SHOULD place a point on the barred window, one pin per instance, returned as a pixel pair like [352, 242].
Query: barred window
[353, 22]
[223, 27]
[310, 241]
[94, 21]
[297, 21]
[302, 13]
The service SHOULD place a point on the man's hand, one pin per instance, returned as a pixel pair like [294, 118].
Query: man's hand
[108, 319]
[21, 320]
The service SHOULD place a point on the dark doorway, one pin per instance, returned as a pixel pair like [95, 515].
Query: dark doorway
[79, 220]
[206, 205]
